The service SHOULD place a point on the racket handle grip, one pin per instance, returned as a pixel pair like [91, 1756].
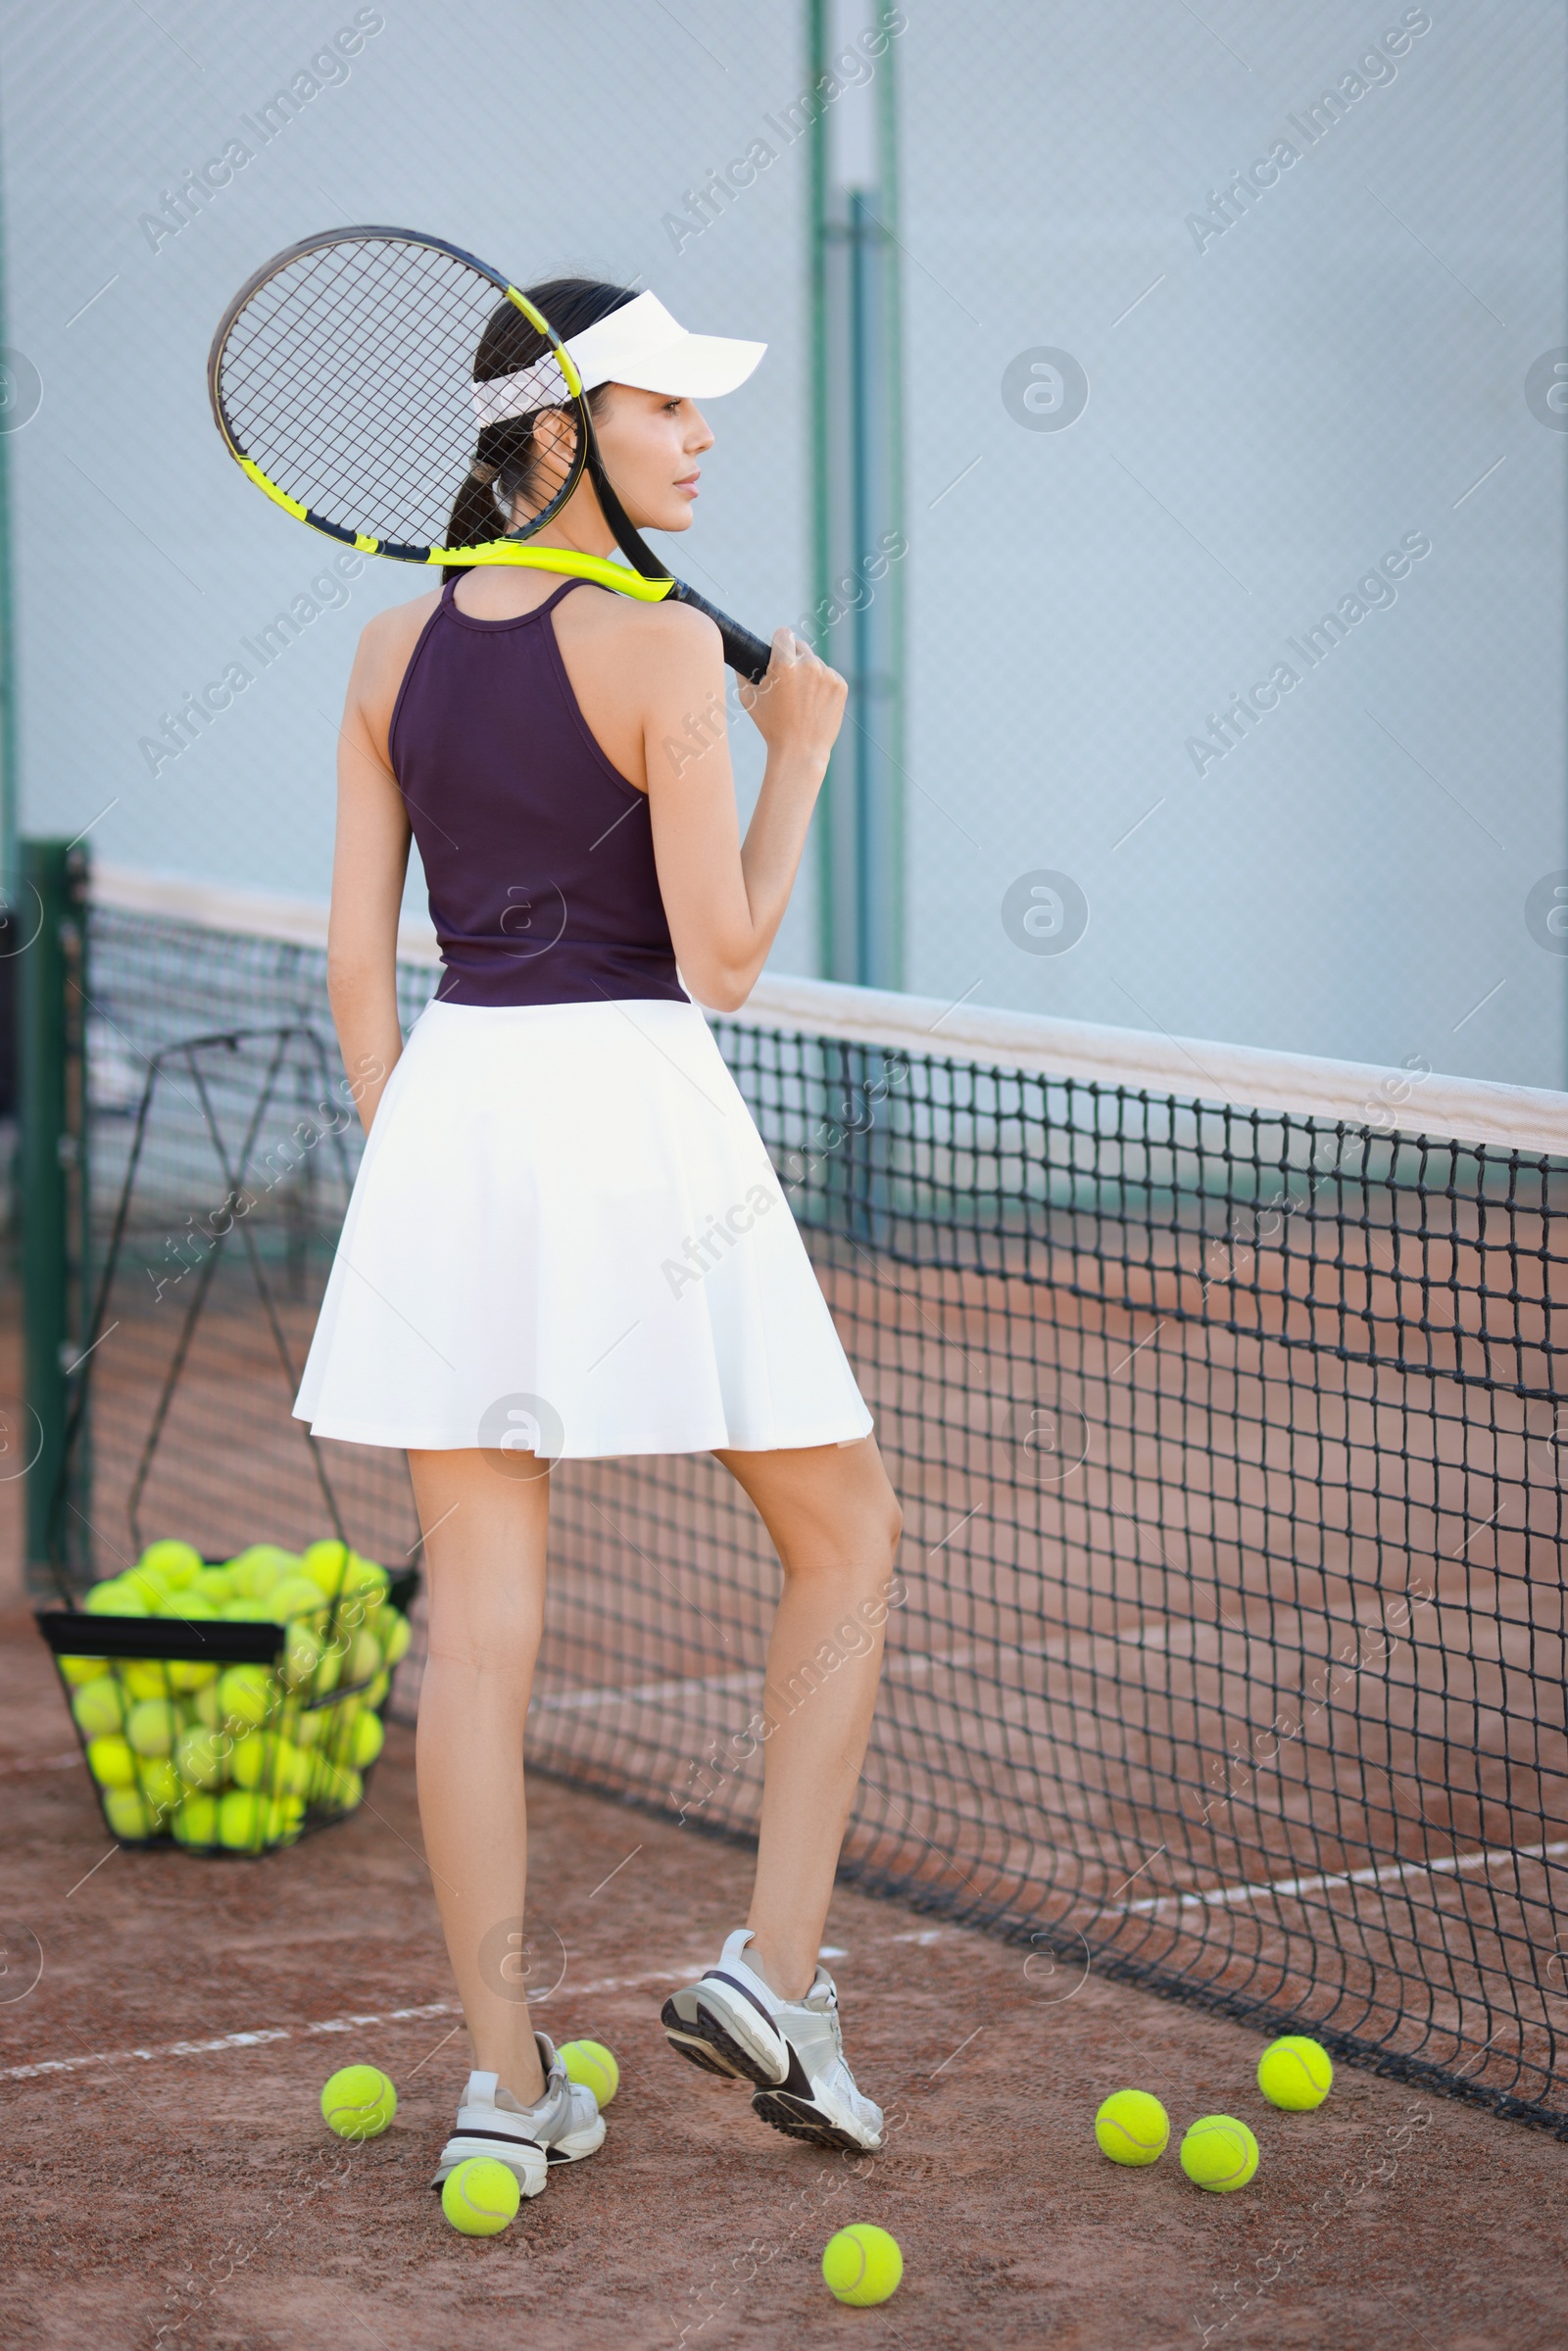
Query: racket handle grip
[746, 655]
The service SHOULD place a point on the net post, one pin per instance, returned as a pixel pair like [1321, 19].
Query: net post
[53, 1203]
[12, 413]
[858, 505]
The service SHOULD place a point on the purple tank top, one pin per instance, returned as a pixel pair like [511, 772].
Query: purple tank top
[538, 854]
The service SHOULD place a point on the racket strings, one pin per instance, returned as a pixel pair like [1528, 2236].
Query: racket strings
[348, 392]
[337, 311]
[347, 380]
[536, 471]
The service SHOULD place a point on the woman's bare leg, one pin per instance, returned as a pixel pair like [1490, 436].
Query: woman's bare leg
[484, 1559]
[835, 1524]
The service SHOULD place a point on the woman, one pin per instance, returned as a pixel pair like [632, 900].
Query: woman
[566, 1239]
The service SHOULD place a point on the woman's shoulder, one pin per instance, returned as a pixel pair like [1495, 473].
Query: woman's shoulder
[381, 659]
[394, 633]
[386, 647]
[660, 634]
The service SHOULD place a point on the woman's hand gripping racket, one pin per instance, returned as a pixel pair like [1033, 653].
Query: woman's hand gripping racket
[344, 380]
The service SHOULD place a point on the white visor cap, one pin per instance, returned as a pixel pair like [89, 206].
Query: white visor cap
[639, 344]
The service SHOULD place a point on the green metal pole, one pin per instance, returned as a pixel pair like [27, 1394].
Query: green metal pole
[894, 515]
[858, 512]
[8, 795]
[12, 930]
[53, 1201]
[827, 862]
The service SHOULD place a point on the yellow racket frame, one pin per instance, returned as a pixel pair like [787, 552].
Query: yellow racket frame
[518, 554]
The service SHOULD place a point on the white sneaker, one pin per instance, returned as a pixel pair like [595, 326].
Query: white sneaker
[730, 2022]
[724, 2020]
[564, 2127]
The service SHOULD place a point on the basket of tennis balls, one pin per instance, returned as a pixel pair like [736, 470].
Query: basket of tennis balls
[231, 1706]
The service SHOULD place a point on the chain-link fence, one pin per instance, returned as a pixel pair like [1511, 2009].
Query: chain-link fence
[1207, 374]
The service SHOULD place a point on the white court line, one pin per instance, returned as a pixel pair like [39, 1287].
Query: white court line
[1153, 1634]
[40, 1763]
[1071, 1648]
[334, 2023]
[1217, 1895]
[646, 1693]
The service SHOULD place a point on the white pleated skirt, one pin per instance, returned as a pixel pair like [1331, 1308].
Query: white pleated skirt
[566, 1238]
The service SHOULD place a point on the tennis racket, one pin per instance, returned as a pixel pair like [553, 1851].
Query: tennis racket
[348, 377]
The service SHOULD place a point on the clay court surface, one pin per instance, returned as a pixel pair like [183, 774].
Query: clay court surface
[194, 2199]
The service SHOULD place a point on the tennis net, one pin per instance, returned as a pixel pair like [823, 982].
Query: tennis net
[1224, 1393]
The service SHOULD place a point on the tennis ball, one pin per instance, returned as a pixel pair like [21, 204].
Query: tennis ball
[342, 1790]
[364, 1746]
[186, 1675]
[176, 1564]
[394, 1631]
[326, 1564]
[152, 1727]
[283, 1817]
[254, 1762]
[130, 1815]
[364, 1658]
[187, 1605]
[591, 2063]
[261, 1566]
[296, 1595]
[348, 1615]
[145, 1678]
[379, 1688]
[114, 1597]
[111, 1762]
[329, 1672]
[271, 1763]
[216, 1583]
[342, 1576]
[863, 2264]
[160, 1784]
[245, 1694]
[200, 1706]
[78, 1670]
[195, 1821]
[242, 1820]
[243, 1610]
[1219, 2153]
[98, 1707]
[368, 1578]
[231, 1739]
[302, 1724]
[358, 2103]
[302, 1654]
[362, 1595]
[201, 1757]
[1295, 2073]
[480, 2196]
[1132, 2127]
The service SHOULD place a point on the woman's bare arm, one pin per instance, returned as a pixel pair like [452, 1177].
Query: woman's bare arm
[725, 898]
[369, 860]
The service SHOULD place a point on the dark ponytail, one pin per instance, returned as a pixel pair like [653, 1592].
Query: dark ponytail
[504, 458]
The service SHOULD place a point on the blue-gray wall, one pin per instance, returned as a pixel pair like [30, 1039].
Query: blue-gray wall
[1266, 419]
[543, 139]
[1272, 407]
